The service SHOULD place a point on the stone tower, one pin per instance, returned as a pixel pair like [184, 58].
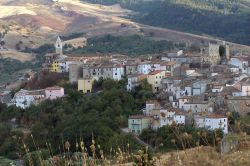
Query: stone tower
[59, 46]
[214, 54]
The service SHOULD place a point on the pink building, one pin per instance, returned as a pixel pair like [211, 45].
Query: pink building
[54, 92]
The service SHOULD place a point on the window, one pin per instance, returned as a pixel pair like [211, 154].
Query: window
[155, 76]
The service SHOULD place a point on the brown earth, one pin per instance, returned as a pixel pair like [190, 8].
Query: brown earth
[13, 54]
[42, 21]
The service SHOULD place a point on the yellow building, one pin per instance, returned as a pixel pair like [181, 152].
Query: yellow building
[55, 67]
[85, 85]
[154, 78]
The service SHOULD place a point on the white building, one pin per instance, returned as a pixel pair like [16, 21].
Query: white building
[144, 68]
[24, 98]
[118, 71]
[179, 118]
[212, 122]
[164, 117]
[241, 63]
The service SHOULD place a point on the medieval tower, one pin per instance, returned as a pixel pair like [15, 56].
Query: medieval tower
[59, 46]
[214, 54]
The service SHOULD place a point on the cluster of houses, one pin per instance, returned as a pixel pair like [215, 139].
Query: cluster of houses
[191, 88]
[199, 96]
[155, 116]
[25, 98]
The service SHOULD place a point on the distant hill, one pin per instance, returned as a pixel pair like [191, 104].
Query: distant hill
[143, 6]
[227, 19]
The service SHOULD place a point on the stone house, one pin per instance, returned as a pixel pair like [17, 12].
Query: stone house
[199, 106]
[240, 104]
[105, 70]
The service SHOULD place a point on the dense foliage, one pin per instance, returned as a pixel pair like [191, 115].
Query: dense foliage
[128, 45]
[77, 117]
[11, 68]
[227, 19]
[220, 18]
[72, 36]
[181, 137]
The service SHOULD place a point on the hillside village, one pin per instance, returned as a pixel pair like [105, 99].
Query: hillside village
[190, 88]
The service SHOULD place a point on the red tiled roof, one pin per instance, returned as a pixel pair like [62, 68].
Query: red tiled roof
[54, 88]
[168, 63]
[155, 72]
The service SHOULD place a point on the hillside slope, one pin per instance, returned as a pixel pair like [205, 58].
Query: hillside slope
[229, 20]
[41, 21]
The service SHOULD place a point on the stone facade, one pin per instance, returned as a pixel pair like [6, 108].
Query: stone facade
[214, 54]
